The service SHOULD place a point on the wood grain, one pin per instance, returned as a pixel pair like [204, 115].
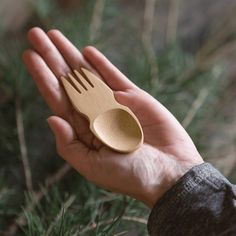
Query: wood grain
[112, 123]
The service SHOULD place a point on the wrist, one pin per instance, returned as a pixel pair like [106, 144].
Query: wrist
[156, 191]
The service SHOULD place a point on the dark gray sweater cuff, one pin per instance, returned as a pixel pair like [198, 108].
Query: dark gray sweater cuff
[191, 203]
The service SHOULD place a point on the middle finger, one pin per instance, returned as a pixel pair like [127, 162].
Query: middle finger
[47, 50]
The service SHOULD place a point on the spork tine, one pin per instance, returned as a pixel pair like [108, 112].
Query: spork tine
[112, 123]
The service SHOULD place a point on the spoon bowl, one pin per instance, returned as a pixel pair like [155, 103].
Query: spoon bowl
[118, 129]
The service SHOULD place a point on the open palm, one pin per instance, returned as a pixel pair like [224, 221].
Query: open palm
[167, 152]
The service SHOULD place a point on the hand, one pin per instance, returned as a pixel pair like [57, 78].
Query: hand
[146, 174]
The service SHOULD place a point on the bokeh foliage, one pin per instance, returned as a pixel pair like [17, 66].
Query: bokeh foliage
[73, 206]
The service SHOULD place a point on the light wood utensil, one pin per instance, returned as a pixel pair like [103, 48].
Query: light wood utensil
[112, 123]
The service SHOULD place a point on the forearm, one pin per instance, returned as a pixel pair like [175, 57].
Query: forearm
[202, 202]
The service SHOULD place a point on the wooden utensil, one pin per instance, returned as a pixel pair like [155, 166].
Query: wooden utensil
[112, 123]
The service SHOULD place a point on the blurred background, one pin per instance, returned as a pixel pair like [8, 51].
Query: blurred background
[183, 52]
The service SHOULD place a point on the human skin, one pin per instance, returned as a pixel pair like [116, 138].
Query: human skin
[145, 174]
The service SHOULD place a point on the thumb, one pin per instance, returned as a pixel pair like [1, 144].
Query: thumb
[69, 147]
[144, 106]
[135, 99]
[128, 99]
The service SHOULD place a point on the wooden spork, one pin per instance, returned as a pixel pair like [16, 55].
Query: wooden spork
[112, 123]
